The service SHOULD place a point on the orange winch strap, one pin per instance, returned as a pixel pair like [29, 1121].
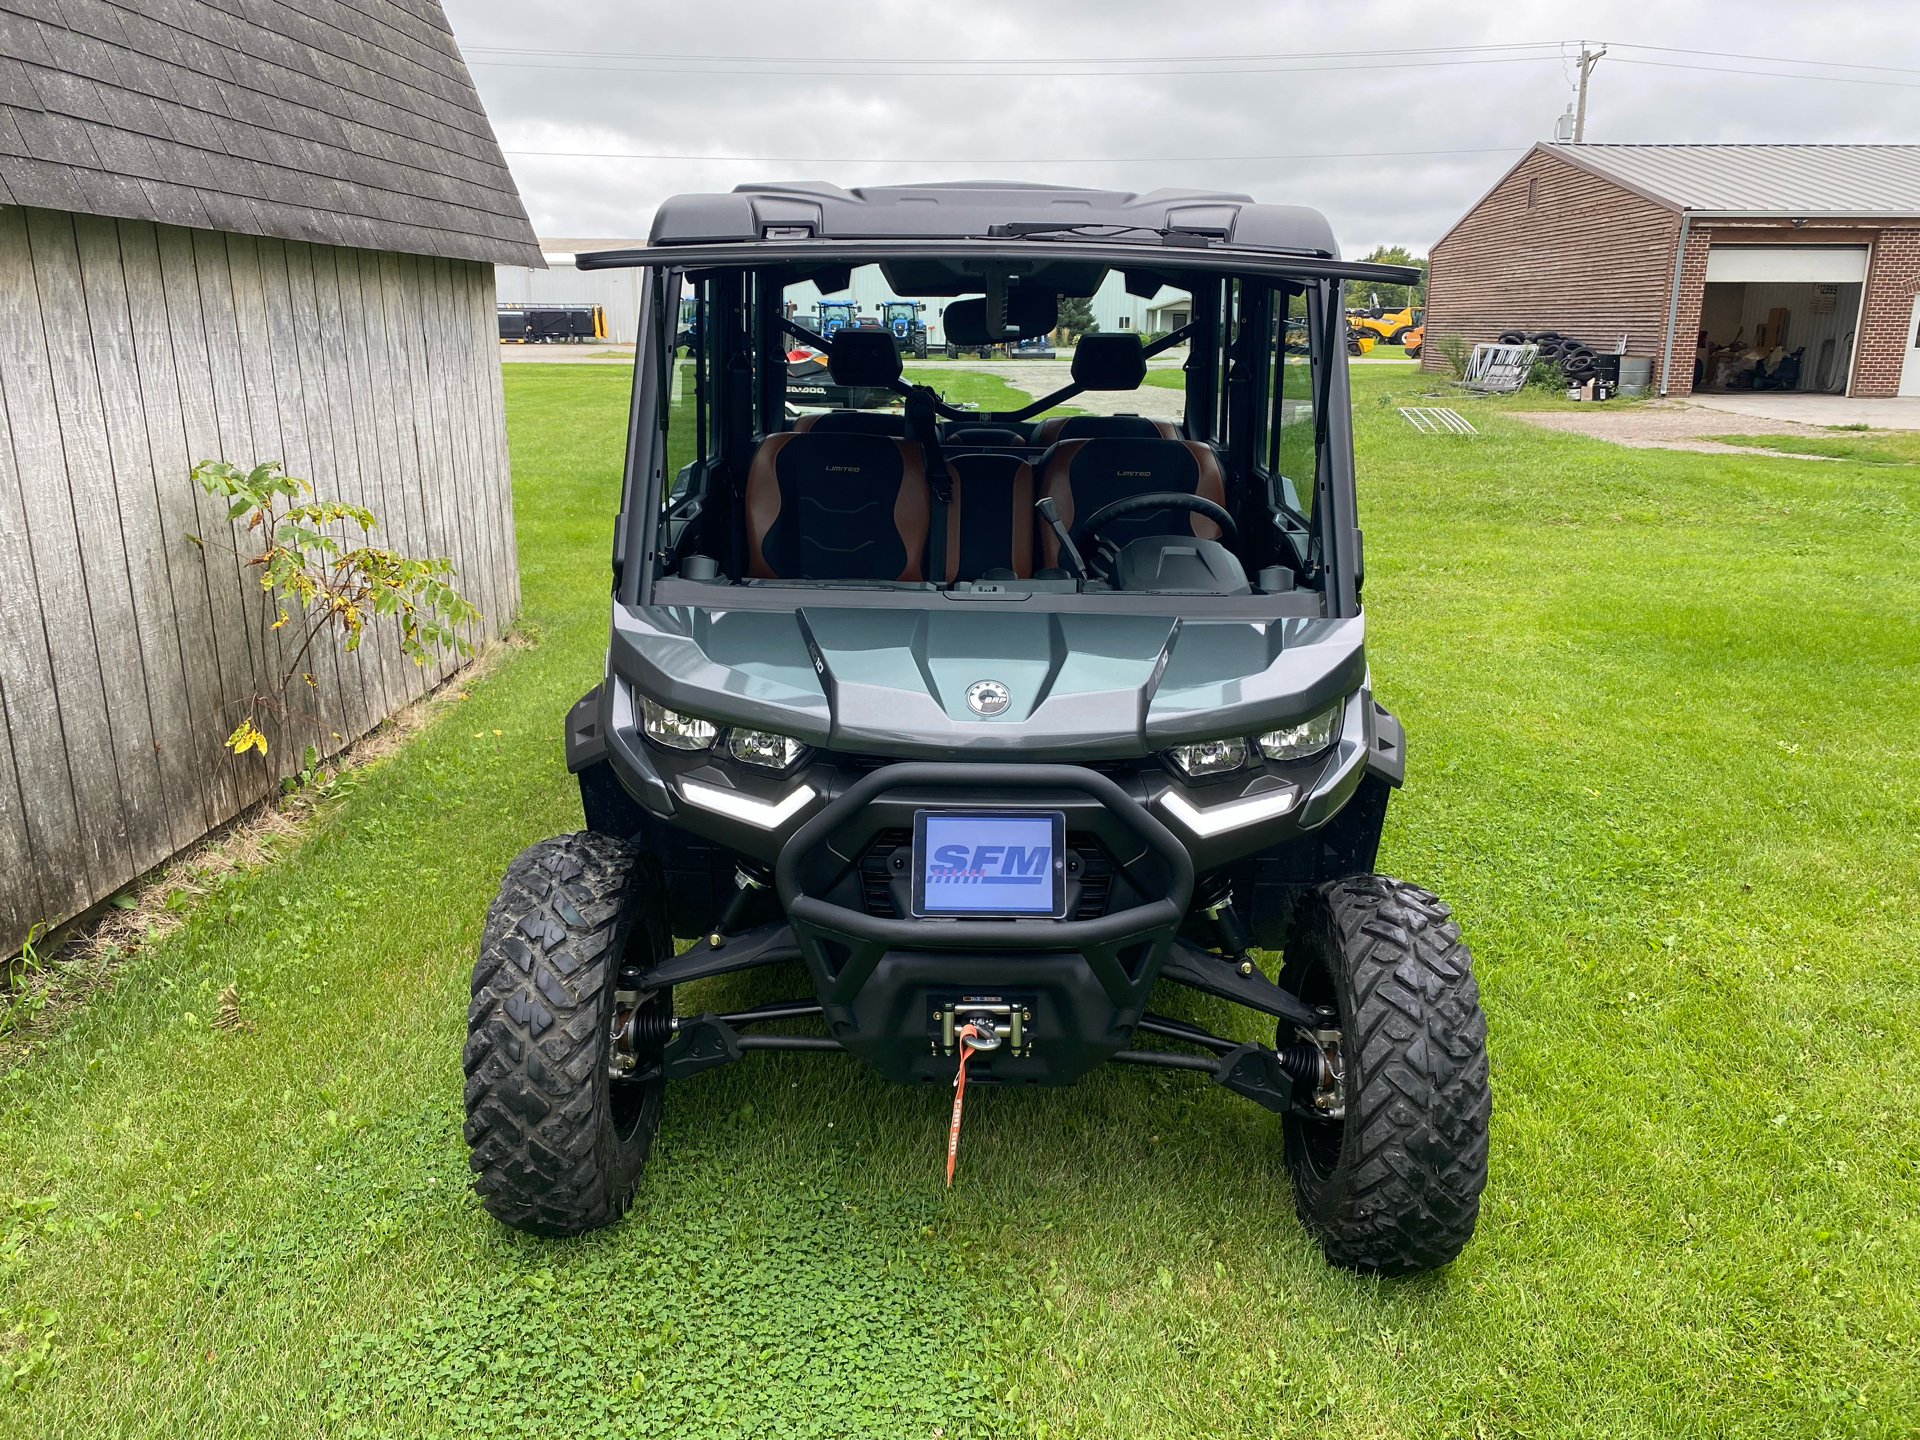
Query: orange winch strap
[967, 1033]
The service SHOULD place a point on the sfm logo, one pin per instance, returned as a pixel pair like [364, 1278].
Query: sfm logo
[990, 864]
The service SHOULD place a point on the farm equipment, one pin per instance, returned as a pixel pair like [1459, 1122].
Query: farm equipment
[902, 319]
[836, 315]
[989, 727]
[543, 324]
[1388, 325]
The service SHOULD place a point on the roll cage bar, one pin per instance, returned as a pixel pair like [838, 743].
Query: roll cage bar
[1229, 373]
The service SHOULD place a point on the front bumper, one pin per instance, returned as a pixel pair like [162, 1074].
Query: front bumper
[885, 983]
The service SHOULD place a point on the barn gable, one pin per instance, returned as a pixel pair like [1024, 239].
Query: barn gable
[337, 123]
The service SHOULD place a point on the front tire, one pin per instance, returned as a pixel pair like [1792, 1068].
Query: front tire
[557, 1142]
[1392, 1187]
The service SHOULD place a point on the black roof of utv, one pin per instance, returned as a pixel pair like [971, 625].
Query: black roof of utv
[984, 210]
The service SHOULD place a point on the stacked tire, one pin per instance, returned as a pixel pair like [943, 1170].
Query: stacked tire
[1578, 361]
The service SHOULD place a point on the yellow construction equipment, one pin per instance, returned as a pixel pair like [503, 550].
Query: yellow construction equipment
[1388, 325]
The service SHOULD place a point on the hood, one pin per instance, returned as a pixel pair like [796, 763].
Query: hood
[895, 681]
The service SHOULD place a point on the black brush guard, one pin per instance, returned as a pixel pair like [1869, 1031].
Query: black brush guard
[1083, 985]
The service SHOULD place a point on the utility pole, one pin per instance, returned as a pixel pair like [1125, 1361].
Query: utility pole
[1588, 59]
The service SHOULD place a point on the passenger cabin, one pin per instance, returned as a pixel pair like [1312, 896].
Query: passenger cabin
[1188, 463]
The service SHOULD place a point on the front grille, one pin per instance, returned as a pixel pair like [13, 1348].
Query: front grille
[1096, 875]
[875, 872]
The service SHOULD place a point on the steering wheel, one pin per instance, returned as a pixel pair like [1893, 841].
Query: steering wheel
[1086, 530]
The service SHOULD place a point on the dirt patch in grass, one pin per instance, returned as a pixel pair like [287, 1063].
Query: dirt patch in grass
[1666, 426]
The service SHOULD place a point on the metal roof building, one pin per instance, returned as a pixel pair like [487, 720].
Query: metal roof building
[239, 231]
[1792, 267]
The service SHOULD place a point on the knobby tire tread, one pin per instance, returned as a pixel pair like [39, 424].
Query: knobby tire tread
[1405, 1194]
[546, 1155]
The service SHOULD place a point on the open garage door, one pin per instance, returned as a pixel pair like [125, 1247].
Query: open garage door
[1779, 317]
[1787, 265]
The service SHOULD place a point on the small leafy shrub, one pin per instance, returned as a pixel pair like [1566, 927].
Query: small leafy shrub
[1455, 350]
[1547, 375]
[332, 589]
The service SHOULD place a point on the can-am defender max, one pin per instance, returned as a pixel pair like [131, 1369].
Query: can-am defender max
[992, 721]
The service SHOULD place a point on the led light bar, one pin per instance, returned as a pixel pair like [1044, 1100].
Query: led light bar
[1218, 819]
[767, 815]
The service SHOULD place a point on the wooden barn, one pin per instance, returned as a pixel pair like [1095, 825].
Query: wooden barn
[230, 231]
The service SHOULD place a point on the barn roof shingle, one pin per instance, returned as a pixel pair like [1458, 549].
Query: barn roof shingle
[1762, 179]
[344, 122]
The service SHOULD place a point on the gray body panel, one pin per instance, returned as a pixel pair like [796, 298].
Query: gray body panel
[893, 682]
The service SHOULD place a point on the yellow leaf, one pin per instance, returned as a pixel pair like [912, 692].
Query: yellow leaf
[246, 736]
[281, 621]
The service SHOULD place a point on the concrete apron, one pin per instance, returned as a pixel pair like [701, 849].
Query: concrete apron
[1793, 408]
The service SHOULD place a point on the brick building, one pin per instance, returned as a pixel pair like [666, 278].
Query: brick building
[1718, 262]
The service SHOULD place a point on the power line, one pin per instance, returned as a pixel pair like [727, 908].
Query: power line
[1769, 74]
[812, 71]
[1072, 160]
[1005, 60]
[1013, 67]
[1769, 59]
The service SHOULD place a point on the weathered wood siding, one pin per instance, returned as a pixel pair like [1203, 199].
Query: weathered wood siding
[128, 351]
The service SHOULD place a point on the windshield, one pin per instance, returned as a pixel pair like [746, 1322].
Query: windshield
[1140, 436]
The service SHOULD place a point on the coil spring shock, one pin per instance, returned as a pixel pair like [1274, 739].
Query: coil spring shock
[638, 1033]
[1316, 1067]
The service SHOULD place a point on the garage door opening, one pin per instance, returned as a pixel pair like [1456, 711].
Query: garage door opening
[1779, 317]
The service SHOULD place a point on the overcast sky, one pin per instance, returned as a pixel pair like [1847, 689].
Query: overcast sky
[614, 78]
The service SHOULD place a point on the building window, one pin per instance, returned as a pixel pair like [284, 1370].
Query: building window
[1126, 322]
[1533, 192]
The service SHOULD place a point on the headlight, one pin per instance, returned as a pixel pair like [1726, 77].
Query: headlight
[1210, 757]
[1309, 737]
[764, 748]
[680, 732]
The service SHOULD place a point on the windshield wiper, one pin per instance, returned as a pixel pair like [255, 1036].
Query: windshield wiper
[1085, 229]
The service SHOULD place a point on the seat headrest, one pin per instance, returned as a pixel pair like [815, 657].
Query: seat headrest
[1109, 362]
[863, 357]
[856, 422]
[994, 435]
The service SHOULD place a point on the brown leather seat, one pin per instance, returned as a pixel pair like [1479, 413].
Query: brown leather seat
[865, 422]
[989, 522]
[1084, 475]
[836, 506]
[1103, 427]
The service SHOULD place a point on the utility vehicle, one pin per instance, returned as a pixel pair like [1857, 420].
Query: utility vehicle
[987, 730]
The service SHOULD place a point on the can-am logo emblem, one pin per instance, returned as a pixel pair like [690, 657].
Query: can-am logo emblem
[987, 697]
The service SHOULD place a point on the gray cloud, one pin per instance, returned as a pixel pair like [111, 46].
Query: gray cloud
[856, 122]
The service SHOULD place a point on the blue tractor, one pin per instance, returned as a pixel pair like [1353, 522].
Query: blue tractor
[837, 315]
[902, 318]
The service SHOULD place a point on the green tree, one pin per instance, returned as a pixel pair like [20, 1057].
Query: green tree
[1076, 317]
[1392, 297]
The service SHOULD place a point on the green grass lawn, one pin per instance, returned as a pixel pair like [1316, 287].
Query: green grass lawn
[980, 391]
[1888, 447]
[1663, 763]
